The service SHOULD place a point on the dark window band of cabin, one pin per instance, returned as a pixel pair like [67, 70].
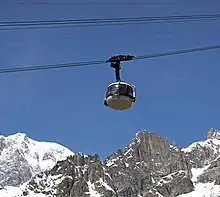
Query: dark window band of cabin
[123, 90]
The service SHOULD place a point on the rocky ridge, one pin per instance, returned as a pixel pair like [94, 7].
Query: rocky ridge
[147, 167]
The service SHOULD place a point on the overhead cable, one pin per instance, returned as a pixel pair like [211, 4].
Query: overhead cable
[98, 62]
[105, 24]
[87, 3]
[99, 20]
[108, 21]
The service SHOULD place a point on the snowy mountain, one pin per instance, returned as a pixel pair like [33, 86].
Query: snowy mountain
[205, 160]
[147, 167]
[21, 158]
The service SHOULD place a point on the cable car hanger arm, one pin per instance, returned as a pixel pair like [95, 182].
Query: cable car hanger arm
[115, 63]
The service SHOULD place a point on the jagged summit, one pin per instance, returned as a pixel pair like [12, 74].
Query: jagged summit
[213, 134]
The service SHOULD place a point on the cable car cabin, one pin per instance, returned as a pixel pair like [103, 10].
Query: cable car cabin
[120, 95]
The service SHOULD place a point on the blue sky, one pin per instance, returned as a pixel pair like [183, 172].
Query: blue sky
[177, 96]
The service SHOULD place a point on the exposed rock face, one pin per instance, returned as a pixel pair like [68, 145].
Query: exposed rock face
[175, 184]
[78, 175]
[143, 162]
[14, 170]
[147, 166]
[212, 173]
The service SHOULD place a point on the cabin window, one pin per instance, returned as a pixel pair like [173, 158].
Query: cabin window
[130, 91]
[122, 89]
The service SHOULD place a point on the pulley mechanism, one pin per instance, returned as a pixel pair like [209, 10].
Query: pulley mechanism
[120, 95]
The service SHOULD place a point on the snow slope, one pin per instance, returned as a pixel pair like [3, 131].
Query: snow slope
[202, 189]
[21, 158]
[11, 191]
[40, 156]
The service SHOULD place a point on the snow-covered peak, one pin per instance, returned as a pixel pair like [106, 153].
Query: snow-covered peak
[20, 151]
[39, 155]
[16, 136]
[212, 142]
